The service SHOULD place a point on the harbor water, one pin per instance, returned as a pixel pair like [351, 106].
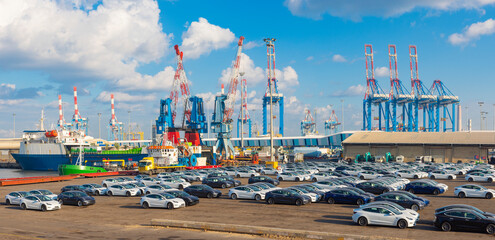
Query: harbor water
[17, 173]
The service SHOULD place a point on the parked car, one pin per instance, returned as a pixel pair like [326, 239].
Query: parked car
[382, 215]
[244, 192]
[374, 187]
[480, 177]
[123, 190]
[163, 200]
[44, 192]
[233, 181]
[39, 202]
[411, 174]
[413, 196]
[203, 191]
[217, 182]
[402, 200]
[315, 197]
[424, 187]
[75, 198]
[469, 207]
[367, 175]
[269, 171]
[95, 189]
[256, 179]
[464, 219]
[72, 188]
[395, 206]
[320, 176]
[149, 181]
[441, 174]
[175, 183]
[111, 181]
[217, 174]
[14, 198]
[189, 199]
[329, 185]
[157, 189]
[473, 190]
[346, 196]
[286, 196]
[289, 176]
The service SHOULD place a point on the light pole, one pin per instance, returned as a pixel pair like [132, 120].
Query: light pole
[129, 126]
[342, 101]
[14, 123]
[99, 125]
[242, 112]
[481, 115]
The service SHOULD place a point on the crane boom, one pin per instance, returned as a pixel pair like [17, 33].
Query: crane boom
[180, 84]
[230, 101]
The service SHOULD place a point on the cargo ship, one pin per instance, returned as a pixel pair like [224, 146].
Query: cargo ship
[46, 150]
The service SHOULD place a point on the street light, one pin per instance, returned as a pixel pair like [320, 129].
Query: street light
[481, 115]
[14, 123]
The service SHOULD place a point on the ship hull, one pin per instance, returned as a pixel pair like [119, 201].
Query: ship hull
[67, 169]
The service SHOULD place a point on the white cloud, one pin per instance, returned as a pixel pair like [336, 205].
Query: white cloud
[123, 97]
[202, 37]
[6, 89]
[310, 58]
[72, 42]
[160, 81]
[292, 105]
[252, 74]
[473, 32]
[355, 90]
[208, 100]
[357, 9]
[338, 58]
[382, 71]
[252, 44]
[287, 78]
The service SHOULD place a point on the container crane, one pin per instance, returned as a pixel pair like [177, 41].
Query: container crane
[308, 124]
[374, 95]
[422, 96]
[116, 128]
[445, 98]
[331, 124]
[244, 117]
[78, 122]
[272, 90]
[224, 109]
[399, 96]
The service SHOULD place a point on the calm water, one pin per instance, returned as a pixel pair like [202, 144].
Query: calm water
[15, 173]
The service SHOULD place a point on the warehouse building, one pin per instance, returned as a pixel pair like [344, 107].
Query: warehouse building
[442, 146]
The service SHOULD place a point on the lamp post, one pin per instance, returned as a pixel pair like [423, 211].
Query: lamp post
[481, 115]
[14, 123]
[99, 125]
[242, 112]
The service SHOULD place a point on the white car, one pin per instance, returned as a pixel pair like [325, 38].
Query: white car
[473, 190]
[245, 173]
[410, 174]
[395, 206]
[456, 171]
[158, 189]
[95, 189]
[269, 171]
[441, 174]
[123, 190]
[353, 171]
[289, 176]
[39, 202]
[479, 177]
[329, 185]
[230, 172]
[321, 176]
[14, 198]
[163, 200]
[305, 175]
[368, 175]
[383, 215]
[196, 176]
[245, 192]
[175, 183]
[44, 192]
[150, 181]
[110, 181]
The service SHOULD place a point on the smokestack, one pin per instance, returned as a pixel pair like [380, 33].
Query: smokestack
[76, 111]
[113, 110]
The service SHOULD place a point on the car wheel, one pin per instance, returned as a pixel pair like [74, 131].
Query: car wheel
[181, 187]
[362, 177]
[399, 175]
[330, 200]
[252, 175]
[146, 205]
[7, 202]
[489, 180]
[446, 227]
[436, 192]
[43, 208]
[263, 173]
[170, 205]
[280, 179]
[489, 196]
[360, 202]
[411, 190]
[461, 195]
[314, 180]
[110, 193]
[402, 224]
[128, 194]
[61, 202]
[238, 175]
[97, 193]
[460, 173]
[105, 185]
[470, 179]
[198, 179]
[298, 202]
[147, 192]
[362, 221]
[298, 179]
[233, 196]
[79, 203]
[257, 197]
[224, 186]
[490, 229]
[432, 177]
[416, 177]
[209, 195]
[270, 201]
[415, 207]
[450, 178]
[23, 206]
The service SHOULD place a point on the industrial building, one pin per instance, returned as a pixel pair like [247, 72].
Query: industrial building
[442, 146]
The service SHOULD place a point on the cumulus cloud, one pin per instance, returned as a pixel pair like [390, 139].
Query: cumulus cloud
[382, 71]
[9, 91]
[252, 44]
[473, 32]
[355, 90]
[123, 97]
[292, 105]
[338, 58]
[107, 41]
[310, 58]
[252, 73]
[202, 37]
[357, 9]
[160, 81]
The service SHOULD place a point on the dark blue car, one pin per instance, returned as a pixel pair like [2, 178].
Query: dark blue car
[202, 191]
[256, 179]
[411, 195]
[77, 198]
[346, 196]
[217, 182]
[423, 187]
[286, 196]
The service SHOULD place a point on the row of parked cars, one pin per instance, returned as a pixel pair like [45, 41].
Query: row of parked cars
[45, 200]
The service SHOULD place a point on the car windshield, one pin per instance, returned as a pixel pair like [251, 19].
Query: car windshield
[45, 192]
[302, 190]
[263, 186]
[207, 187]
[144, 164]
[24, 194]
[44, 198]
[129, 186]
[256, 188]
[168, 196]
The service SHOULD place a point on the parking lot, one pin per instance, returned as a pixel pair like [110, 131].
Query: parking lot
[123, 217]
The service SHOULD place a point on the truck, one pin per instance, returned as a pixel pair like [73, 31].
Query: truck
[149, 166]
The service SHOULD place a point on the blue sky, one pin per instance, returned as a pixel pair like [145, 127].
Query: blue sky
[126, 48]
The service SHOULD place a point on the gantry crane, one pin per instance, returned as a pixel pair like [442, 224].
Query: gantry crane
[445, 98]
[244, 117]
[272, 90]
[308, 124]
[224, 109]
[331, 124]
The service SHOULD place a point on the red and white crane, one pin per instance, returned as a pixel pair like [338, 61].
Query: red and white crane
[234, 81]
[180, 84]
[116, 127]
[61, 121]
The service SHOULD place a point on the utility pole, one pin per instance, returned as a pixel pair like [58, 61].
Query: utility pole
[14, 123]
[481, 115]
[342, 101]
[99, 125]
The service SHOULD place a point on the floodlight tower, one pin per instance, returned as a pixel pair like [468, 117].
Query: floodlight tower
[374, 95]
[61, 120]
[244, 117]
[399, 96]
[272, 90]
[115, 127]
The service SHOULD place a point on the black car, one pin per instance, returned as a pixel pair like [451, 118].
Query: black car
[217, 174]
[203, 191]
[256, 179]
[73, 188]
[286, 196]
[311, 189]
[234, 182]
[374, 187]
[217, 182]
[189, 199]
[464, 219]
[464, 206]
[75, 198]
[401, 199]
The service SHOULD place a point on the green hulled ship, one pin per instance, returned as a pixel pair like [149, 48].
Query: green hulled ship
[67, 169]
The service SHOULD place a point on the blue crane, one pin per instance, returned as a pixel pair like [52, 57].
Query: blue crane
[272, 90]
[445, 98]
